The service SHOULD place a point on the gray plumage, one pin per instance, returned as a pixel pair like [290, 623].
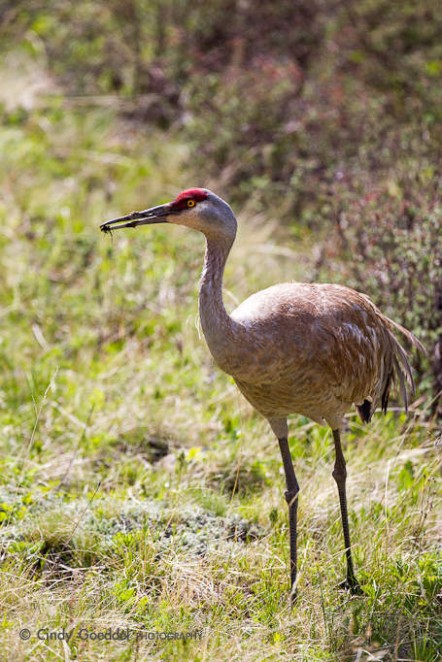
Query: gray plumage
[311, 349]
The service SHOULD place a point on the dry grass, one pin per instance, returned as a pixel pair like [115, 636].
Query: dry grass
[138, 490]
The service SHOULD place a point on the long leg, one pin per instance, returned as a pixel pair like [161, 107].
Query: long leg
[291, 496]
[340, 476]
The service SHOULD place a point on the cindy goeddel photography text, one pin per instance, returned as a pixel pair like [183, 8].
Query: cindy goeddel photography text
[107, 634]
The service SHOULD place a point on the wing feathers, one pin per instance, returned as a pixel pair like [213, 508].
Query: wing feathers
[401, 364]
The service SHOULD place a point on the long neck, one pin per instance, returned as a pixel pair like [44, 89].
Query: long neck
[217, 326]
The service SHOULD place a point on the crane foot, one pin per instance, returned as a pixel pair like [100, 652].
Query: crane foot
[293, 596]
[352, 585]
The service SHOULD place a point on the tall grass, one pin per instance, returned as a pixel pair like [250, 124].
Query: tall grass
[138, 490]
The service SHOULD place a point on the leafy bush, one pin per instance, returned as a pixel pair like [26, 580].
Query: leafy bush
[389, 242]
[328, 113]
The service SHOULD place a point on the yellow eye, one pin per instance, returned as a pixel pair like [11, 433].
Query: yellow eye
[191, 203]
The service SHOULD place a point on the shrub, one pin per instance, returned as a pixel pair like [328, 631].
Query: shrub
[388, 241]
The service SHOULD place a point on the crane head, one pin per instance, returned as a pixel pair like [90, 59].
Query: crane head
[196, 208]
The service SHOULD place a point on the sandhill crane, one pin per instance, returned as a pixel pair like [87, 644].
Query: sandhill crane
[311, 349]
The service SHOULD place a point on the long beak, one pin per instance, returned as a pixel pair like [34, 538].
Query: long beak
[145, 217]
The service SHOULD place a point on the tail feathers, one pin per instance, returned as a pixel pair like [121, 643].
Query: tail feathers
[386, 392]
[365, 411]
[403, 378]
[414, 342]
[398, 370]
[401, 365]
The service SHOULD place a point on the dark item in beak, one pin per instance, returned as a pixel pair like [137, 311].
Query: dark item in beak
[145, 217]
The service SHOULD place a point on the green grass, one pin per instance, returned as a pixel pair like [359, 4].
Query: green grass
[138, 490]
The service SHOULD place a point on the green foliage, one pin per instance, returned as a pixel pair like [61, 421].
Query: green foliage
[136, 489]
[390, 241]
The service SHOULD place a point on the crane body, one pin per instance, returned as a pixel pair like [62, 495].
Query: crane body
[315, 366]
[310, 349]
